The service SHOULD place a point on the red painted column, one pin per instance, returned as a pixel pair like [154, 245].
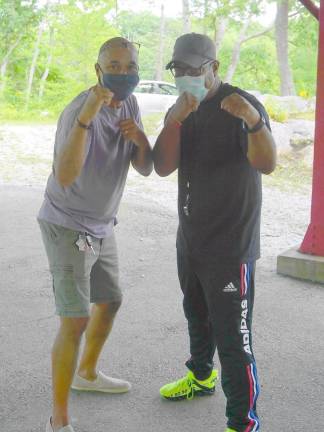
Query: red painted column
[313, 242]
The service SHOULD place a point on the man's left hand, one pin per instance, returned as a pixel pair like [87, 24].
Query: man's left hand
[131, 131]
[240, 107]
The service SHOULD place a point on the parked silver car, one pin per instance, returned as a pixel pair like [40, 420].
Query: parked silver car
[155, 96]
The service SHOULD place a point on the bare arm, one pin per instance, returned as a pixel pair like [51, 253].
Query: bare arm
[70, 160]
[142, 159]
[166, 152]
[262, 153]
[261, 146]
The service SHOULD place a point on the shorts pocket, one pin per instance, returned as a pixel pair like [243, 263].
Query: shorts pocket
[70, 294]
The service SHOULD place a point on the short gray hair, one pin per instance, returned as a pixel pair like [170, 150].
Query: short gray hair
[115, 42]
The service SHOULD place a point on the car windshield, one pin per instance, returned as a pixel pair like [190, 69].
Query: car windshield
[157, 88]
[168, 89]
[144, 88]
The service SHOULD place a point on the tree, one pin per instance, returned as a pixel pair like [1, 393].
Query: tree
[186, 16]
[287, 86]
[16, 20]
[41, 29]
[48, 64]
[159, 61]
[63, 64]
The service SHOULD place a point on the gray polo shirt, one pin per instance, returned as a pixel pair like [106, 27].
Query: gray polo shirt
[91, 203]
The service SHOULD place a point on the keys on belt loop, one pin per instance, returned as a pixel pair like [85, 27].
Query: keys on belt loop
[89, 243]
[84, 243]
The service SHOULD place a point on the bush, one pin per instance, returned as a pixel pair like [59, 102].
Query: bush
[275, 112]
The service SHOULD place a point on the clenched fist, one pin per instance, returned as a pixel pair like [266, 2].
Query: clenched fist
[238, 106]
[131, 131]
[97, 97]
[185, 104]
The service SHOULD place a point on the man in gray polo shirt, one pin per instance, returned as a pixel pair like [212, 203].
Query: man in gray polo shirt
[98, 134]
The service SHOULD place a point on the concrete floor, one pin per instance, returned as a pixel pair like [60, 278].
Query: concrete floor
[149, 342]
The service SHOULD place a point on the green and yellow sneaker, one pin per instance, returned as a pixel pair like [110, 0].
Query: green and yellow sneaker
[230, 430]
[188, 386]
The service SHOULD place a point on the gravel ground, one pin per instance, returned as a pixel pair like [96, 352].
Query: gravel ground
[26, 158]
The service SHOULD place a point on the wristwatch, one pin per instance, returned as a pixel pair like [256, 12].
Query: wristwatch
[255, 128]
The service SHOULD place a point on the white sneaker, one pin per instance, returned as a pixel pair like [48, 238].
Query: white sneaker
[49, 427]
[102, 383]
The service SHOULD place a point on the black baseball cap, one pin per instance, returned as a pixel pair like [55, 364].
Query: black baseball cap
[193, 49]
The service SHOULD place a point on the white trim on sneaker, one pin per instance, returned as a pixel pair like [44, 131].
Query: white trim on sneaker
[49, 427]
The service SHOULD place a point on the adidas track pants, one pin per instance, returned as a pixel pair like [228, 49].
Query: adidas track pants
[218, 304]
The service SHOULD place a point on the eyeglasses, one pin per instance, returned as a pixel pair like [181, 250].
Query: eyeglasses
[178, 71]
[137, 45]
[116, 68]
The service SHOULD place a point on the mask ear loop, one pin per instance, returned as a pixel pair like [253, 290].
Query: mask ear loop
[99, 79]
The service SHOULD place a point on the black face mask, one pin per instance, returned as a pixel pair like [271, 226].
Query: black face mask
[121, 85]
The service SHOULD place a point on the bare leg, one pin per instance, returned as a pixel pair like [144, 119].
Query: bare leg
[64, 358]
[97, 332]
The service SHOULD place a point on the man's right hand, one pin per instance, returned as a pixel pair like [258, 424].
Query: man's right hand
[97, 97]
[185, 105]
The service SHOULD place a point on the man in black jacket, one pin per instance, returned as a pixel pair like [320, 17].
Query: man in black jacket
[219, 139]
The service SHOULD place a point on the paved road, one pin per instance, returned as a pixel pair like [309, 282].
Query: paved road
[149, 342]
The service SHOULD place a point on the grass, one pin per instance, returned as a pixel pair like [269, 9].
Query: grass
[32, 122]
[302, 115]
[291, 174]
[152, 123]
[32, 159]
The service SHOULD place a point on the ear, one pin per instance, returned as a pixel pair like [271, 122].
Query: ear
[216, 67]
[97, 70]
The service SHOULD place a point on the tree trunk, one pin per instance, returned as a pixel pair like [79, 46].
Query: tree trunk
[186, 16]
[159, 62]
[220, 28]
[236, 52]
[287, 86]
[33, 63]
[4, 64]
[47, 67]
[206, 10]
[3, 70]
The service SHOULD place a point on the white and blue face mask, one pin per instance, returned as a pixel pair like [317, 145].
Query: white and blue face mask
[194, 85]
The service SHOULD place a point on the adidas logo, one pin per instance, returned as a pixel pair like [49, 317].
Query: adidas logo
[230, 288]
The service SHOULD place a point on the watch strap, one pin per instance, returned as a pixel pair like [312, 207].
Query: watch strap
[256, 127]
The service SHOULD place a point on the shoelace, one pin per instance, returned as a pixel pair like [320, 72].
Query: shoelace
[184, 387]
[190, 393]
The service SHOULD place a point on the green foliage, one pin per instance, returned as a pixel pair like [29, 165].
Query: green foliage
[78, 34]
[153, 123]
[74, 30]
[308, 115]
[303, 52]
[275, 111]
[144, 29]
